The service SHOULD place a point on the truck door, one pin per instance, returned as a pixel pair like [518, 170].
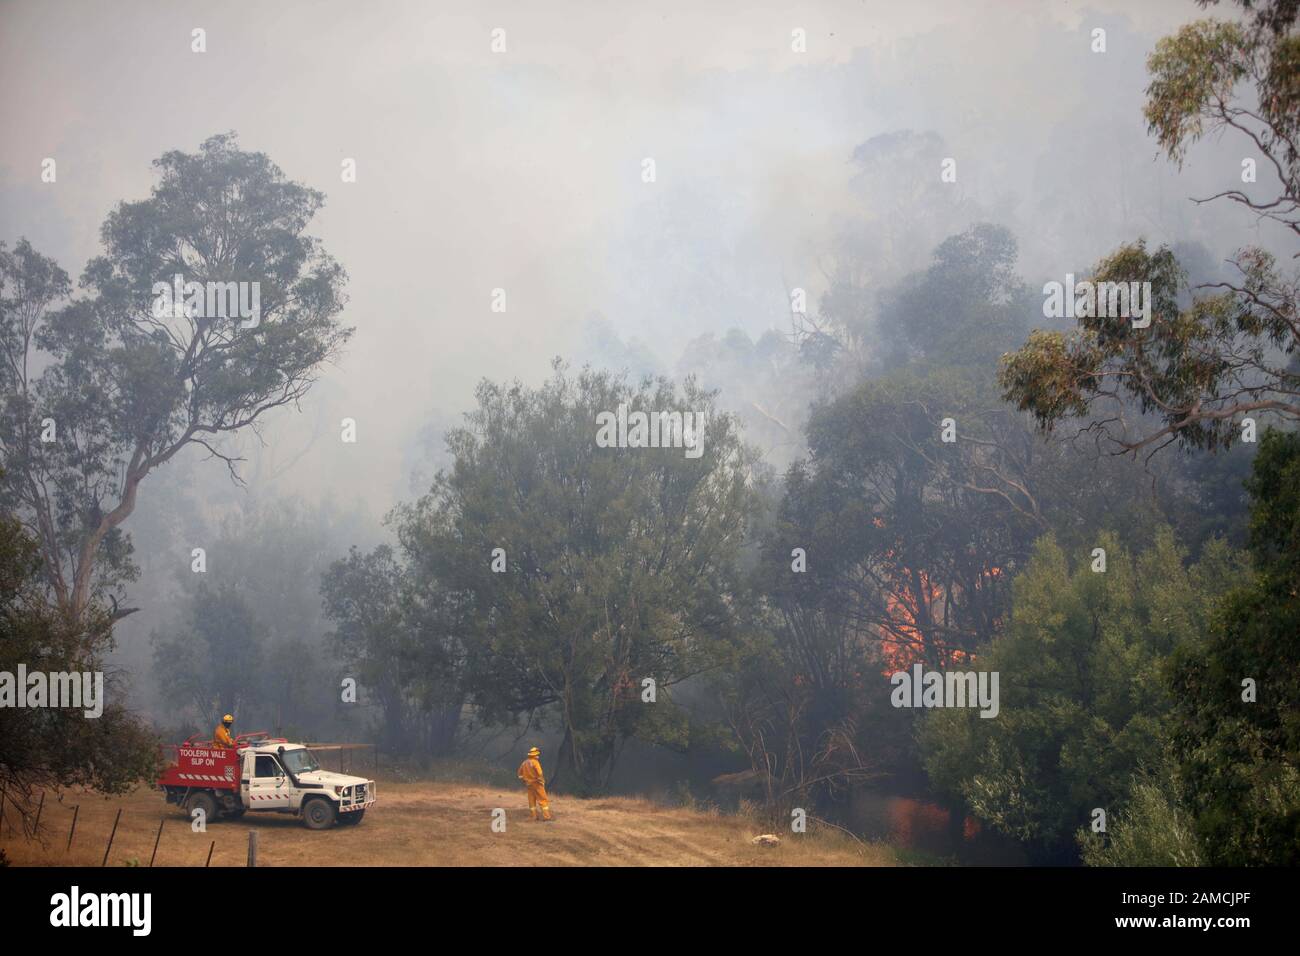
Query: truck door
[268, 787]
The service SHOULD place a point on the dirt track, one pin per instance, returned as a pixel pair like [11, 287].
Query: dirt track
[431, 824]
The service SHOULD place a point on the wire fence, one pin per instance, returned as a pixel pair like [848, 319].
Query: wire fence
[58, 831]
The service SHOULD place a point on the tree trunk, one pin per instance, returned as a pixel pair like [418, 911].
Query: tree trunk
[85, 569]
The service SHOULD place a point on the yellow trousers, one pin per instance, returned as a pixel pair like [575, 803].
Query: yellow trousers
[537, 798]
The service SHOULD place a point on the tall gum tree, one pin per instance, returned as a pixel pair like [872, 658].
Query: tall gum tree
[103, 389]
[1219, 352]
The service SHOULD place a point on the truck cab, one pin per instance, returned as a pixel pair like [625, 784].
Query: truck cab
[286, 777]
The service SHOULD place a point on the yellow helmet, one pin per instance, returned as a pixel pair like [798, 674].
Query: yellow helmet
[227, 719]
[534, 752]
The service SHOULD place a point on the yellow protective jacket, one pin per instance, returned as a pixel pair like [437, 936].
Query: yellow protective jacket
[221, 737]
[530, 772]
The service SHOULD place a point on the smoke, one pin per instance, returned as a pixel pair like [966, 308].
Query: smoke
[525, 171]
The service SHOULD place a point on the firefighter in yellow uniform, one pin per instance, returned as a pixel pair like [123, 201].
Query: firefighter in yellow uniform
[530, 772]
[221, 736]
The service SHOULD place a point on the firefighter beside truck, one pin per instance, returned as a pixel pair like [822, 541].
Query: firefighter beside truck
[264, 775]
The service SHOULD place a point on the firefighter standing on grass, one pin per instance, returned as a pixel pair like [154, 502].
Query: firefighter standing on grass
[530, 772]
[221, 736]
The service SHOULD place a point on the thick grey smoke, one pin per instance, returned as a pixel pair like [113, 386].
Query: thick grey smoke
[523, 170]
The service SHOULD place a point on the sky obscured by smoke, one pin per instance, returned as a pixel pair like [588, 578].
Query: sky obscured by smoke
[522, 170]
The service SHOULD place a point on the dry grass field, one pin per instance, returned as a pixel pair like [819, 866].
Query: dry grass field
[430, 824]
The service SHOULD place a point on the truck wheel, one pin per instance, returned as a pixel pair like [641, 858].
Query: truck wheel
[353, 818]
[318, 814]
[202, 801]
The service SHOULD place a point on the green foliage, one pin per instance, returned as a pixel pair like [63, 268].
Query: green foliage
[78, 471]
[1191, 72]
[397, 635]
[1083, 704]
[1154, 829]
[1274, 488]
[911, 542]
[621, 562]
[1241, 760]
[1208, 359]
[966, 309]
[273, 556]
[907, 534]
[1196, 371]
[1211, 357]
[213, 666]
[247, 633]
[128, 387]
[1196, 73]
[1206, 497]
[43, 748]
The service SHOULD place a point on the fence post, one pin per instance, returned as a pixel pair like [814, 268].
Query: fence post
[155, 842]
[73, 829]
[252, 848]
[111, 835]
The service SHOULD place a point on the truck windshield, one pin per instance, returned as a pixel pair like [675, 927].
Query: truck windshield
[300, 761]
